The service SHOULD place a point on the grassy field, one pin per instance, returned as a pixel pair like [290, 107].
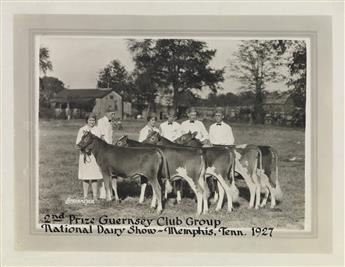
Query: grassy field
[58, 167]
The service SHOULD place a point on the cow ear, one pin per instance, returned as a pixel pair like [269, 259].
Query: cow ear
[194, 134]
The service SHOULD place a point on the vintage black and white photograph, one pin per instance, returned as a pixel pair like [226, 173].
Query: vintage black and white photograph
[172, 133]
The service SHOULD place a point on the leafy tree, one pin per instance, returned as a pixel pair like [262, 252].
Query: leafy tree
[256, 63]
[49, 86]
[115, 76]
[179, 65]
[45, 63]
[297, 62]
[295, 52]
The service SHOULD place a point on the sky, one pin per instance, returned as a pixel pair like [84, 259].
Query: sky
[77, 60]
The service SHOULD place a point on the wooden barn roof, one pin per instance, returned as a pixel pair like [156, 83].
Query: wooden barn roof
[76, 95]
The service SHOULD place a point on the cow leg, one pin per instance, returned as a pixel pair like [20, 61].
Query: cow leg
[251, 186]
[264, 201]
[214, 189]
[273, 197]
[154, 199]
[114, 185]
[158, 195]
[226, 188]
[264, 181]
[205, 193]
[142, 193]
[107, 184]
[178, 185]
[102, 193]
[197, 191]
[220, 198]
[257, 189]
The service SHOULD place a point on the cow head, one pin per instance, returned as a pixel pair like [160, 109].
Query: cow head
[188, 139]
[122, 141]
[152, 138]
[86, 143]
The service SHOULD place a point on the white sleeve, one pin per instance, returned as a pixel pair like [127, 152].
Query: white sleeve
[231, 138]
[97, 131]
[183, 128]
[179, 131]
[211, 134]
[100, 126]
[203, 131]
[142, 135]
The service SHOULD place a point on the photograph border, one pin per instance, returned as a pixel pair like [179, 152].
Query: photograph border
[29, 23]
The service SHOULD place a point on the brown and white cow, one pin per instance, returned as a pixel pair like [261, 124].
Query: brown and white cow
[220, 163]
[267, 160]
[187, 163]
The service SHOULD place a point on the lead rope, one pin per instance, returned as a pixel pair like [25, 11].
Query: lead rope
[87, 158]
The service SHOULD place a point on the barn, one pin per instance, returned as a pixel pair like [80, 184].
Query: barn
[74, 103]
[283, 104]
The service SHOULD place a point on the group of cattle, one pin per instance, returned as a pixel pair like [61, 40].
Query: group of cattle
[163, 162]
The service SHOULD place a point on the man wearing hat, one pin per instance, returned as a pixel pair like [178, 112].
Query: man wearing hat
[170, 129]
[193, 125]
[220, 132]
[106, 130]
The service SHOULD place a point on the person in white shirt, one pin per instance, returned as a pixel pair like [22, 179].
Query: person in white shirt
[193, 125]
[170, 129]
[89, 172]
[221, 132]
[144, 132]
[106, 130]
[105, 125]
[149, 127]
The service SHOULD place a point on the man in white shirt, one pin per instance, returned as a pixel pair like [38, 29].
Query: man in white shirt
[105, 125]
[193, 125]
[170, 129]
[106, 130]
[220, 132]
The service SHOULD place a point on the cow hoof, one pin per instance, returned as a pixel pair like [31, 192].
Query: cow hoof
[272, 206]
[256, 207]
[140, 203]
[205, 212]
[159, 212]
[230, 210]
[117, 201]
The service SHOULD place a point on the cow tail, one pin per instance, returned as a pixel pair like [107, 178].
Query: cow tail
[278, 191]
[258, 165]
[168, 186]
[233, 188]
[203, 170]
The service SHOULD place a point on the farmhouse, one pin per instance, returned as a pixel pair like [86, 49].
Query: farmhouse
[283, 104]
[74, 103]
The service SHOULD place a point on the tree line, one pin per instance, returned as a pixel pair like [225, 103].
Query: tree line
[173, 67]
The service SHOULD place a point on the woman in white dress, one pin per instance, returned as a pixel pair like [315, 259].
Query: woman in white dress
[89, 172]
